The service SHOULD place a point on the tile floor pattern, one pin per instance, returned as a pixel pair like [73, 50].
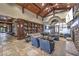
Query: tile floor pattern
[10, 46]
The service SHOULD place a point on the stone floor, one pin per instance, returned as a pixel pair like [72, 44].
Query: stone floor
[71, 49]
[10, 46]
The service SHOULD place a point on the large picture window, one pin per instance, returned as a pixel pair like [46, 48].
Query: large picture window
[69, 16]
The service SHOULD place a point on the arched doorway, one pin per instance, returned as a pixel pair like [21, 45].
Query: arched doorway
[53, 21]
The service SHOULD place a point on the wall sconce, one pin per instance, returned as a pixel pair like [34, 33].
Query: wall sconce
[56, 4]
[5, 25]
[42, 4]
[68, 6]
[17, 25]
[21, 25]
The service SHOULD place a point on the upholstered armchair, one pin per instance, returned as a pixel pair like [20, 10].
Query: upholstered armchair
[35, 42]
[46, 45]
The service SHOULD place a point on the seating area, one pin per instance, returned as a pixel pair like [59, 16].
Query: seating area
[39, 29]
[43, 44]
[43, 41]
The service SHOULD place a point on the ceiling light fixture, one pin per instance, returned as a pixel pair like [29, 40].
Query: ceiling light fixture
[56, 4]
[4, 25]
[47, 8]
[4, 18]
[68, 5]
[42, 4]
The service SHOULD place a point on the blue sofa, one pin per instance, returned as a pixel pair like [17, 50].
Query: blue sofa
[46, 45]
[35, 42]
[67, 35]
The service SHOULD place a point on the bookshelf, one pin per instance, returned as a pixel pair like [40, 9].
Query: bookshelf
[31, 27]
[27, 27]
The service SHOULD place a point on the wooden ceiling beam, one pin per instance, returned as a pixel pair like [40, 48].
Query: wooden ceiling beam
[48, 12]
[56, 9]
[43, 9]
[56, 13]
[36, 6]
[52, 9]
[5, 22]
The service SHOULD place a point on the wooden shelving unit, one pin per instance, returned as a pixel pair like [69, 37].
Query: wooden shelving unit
[31, 27]
[27, 27]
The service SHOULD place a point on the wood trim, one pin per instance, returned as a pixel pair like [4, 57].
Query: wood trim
[43, 9]
[52, 9]
[5, 22]
[32, 22]
[36, 6]
[49, 11]
[56, 13]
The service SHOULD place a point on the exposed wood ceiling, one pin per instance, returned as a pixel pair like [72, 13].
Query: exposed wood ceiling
[43, 9]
